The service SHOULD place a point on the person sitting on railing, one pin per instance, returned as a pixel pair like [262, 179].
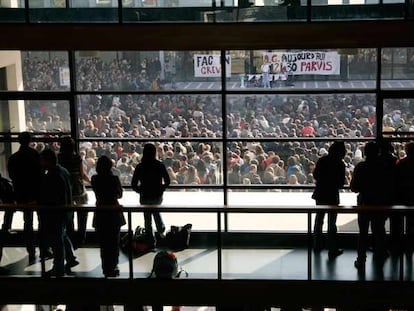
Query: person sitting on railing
[373, 180]
[108, 190]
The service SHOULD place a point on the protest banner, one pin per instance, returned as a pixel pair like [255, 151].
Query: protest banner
[209, 65]
[304, 62]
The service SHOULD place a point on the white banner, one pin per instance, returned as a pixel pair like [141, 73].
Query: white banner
[304, 63]
[208, 65]
[64, 76]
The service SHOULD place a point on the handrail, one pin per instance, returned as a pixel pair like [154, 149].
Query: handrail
[219, 208]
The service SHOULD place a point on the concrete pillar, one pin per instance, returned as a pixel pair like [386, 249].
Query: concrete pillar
[12, 61]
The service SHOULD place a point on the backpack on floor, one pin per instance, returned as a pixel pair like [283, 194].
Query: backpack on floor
[139, 244]
[176, 239]
[165, 266]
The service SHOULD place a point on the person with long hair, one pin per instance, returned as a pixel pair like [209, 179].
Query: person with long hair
[150, 180]
[108, 223]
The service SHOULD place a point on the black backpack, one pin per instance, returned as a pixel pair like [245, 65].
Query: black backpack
[165, 266]
[6, 191]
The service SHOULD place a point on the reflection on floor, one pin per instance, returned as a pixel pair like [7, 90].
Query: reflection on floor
[285, 264]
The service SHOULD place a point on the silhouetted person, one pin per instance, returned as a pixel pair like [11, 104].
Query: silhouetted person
[389, 159]
[69, 159]
[55, 191]
[405, 196]
[6, 196]
[329, 174]
[25, 173]
[373, 180]
[107, 223]
[150, 180]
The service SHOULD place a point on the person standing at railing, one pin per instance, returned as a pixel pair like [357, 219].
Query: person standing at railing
[107, 188]
[25, 172]
[405, 196]
[70, 160]
[150, 180]
[55, 191]
[329, 174]
[373, 180]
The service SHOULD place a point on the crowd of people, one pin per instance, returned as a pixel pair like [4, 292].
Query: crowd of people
[200, 117]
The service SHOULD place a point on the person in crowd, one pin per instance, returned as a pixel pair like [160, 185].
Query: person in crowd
[329, 174]
[373, 181]
[55, 191]
[266, 69]
[234, 176]
[107, 188]
[150, 180]
[25, 172]
[405, 195]
[69, 159]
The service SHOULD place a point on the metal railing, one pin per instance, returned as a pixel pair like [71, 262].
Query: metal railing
[221, 210]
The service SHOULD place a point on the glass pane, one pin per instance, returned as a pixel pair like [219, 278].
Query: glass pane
[397, 68]
[93, 3]
[151, 71]
[188, 163]
[78, 11]
[145, 116]
[34, 71]
[35, 116]
[398, 117]
[12, 4]
[303, 69]
[47, 4]
[12, 11]
[315, 115]
[214, 11]
[356, 9]
[283, 222]
[282, 163]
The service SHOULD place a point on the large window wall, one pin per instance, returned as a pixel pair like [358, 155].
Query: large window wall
[236, 127]
[200, 11]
